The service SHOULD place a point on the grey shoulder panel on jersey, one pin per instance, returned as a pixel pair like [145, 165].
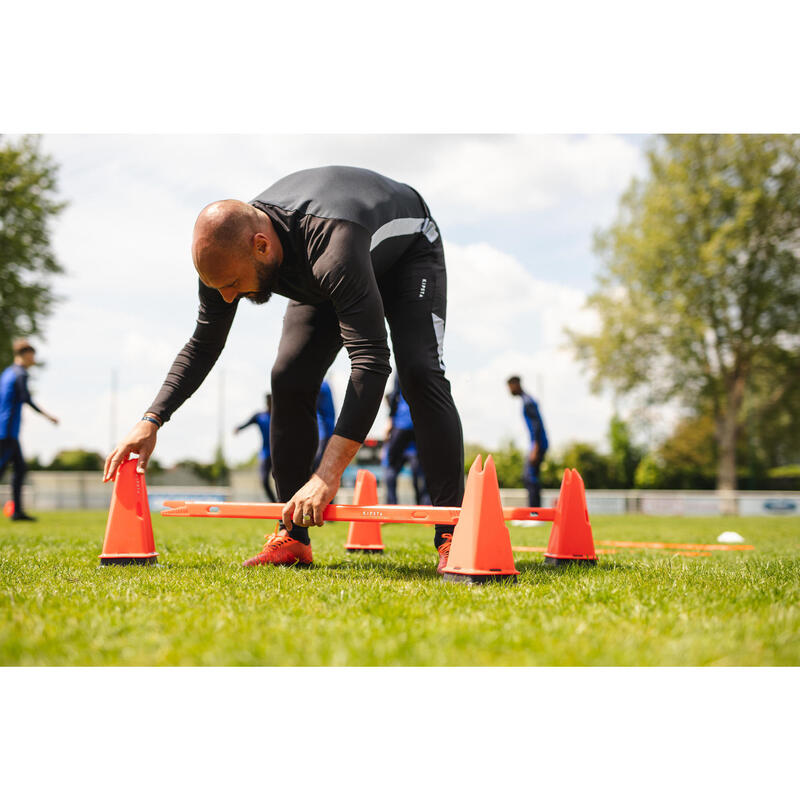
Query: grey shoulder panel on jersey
[348, 193]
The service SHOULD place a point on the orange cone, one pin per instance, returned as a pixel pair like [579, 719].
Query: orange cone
[481, 548]
[365, 537]
[571, 536]
[8, 508]
[129, 533]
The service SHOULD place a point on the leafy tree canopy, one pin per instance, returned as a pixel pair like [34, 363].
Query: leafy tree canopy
[27, 206]
[700, 289]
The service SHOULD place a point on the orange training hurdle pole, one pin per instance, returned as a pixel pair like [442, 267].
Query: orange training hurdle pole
[442, 515]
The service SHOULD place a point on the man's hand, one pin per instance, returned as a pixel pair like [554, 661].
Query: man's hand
[141, 440]
[308, 504]
[52, 419]
[533, 456]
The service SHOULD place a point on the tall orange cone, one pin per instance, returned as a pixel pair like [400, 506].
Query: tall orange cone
[481, 548]
[571, 538]
[365, 537]
[129, 533]
[8, 508]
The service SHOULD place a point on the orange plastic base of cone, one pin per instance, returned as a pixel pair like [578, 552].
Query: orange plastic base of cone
[571, 540]
[129, 533]
[8, 508]
[481, 548]
[365, 537]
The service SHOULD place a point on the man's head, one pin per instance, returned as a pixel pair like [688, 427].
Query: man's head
[514, 385]
[24, 352]
[236, 251]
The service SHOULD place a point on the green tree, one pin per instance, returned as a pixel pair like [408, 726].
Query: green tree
[592, 465]
[509, 463]
[701, 279]
[625, 455]
[27, 206]
[77, 460]
[219, 471]
[685, 460]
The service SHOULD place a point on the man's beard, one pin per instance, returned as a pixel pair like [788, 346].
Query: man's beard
[267, 278]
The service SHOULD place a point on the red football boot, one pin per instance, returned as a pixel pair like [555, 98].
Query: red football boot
[280, 548]
[444, 551]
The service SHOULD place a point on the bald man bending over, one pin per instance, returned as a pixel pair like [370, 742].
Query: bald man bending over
[349, 248]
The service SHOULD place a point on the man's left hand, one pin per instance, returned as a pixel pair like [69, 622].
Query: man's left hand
[308, 504]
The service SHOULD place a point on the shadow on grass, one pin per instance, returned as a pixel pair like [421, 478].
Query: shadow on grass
[383, 567]
[542, 569]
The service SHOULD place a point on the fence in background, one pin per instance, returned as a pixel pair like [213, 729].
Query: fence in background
[47, 491]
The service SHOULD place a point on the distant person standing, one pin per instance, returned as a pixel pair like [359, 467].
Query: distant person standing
[13, 393]
[533, 419]
[262, 419]
[326, 419]
[401, 446]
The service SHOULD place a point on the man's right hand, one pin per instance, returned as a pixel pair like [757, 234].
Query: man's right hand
[141, 440]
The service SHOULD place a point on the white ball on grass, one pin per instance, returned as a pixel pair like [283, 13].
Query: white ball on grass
[730, 537]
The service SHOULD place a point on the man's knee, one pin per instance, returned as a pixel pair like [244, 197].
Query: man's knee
[416, 377]
[290, 381]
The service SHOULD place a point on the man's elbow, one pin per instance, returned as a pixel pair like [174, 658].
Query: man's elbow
[372, 358]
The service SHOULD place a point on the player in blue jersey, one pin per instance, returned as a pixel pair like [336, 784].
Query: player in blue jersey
[326, 419]
[13, 393]
[401, 447]
[262, 419]
[533, 419]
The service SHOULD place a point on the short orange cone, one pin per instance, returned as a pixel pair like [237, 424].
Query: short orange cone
[481, 548]
[8, 508]
[365, 537]
[129, 533]
[571, 538]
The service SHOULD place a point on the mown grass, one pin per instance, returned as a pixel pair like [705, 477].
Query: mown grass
[200, 607]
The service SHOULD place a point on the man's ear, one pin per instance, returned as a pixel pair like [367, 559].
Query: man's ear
[261, 243]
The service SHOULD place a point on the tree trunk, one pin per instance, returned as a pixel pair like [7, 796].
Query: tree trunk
[727, 429]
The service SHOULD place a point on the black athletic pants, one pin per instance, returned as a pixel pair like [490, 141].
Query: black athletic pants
[414, 294]
[10, 451]
[532, 484]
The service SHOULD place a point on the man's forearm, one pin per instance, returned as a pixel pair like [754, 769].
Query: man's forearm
[338, 454]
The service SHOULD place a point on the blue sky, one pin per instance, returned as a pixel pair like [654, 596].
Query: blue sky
[517, 214]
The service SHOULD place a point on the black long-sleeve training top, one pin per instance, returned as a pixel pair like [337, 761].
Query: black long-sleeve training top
[341, 229]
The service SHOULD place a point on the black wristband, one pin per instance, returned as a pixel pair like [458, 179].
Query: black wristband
[147, 418]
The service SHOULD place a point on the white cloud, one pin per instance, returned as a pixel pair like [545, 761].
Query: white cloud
[503, 321]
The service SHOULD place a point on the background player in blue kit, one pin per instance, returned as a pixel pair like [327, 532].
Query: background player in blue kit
[401, 447]
[13, 393]
[262, 419]
[326, 419]
[533, 419]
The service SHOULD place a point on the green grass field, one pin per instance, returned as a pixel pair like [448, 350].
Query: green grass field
[199, 607]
